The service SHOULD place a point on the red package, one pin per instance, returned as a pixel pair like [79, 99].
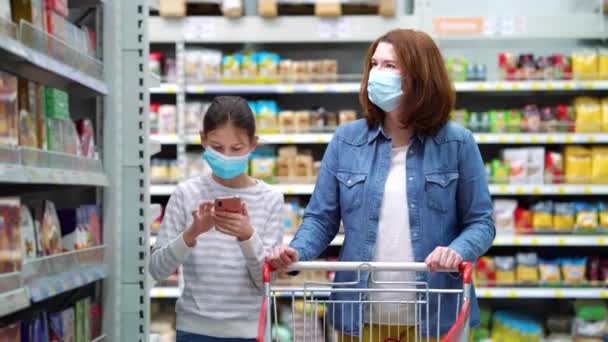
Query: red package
[86, 134]
[485, 271]
[91, 39]
[593, 269]
[604, 271]
[554, 168]
[59, 6]
[523, 221]
[96, 319]
[57, 28]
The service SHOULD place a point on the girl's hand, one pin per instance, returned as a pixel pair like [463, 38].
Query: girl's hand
[202, 222]
[282, 257]
[234, 224]
[443, 258]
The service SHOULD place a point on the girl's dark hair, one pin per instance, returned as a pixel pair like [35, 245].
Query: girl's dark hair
[229, 109]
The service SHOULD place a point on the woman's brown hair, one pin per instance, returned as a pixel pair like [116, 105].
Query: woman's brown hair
[427, 108]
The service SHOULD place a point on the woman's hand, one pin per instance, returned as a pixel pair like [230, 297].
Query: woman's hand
[282, 257]
[443, 258]
[202, 222]
[234, 224]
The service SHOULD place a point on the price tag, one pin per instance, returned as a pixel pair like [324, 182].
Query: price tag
[171, 89]
[569, 139]
[559, 294]
[160, 293]
[589, 85]
[515, 86]
[289, 190]
[561, 242]
[502, 189]
[502, 139]
[500, 87]
[519, 139]
[289, 139]
[601, 241]
[512, 294]
[551, 139]
[603, 294]
[486, 294]
[587, 190]
[319, 88]
[516, 241]
[535, 242]
[288, 89]
[536, 190]
[591, 139]
[535, 139]
[334, 28]
[319, 139]
[483, 138]
[561, 190]
[568, 86]
[536, 86]
[343, 88]
[199, 90]
[550, 86]
[519, 190]
[277, 294]
[481, 87]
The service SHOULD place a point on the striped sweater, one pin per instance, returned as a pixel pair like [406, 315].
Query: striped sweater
[222, 276]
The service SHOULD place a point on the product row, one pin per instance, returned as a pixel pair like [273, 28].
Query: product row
[50, 16]
[586, 115]
[270, 119]
[550, 217]
[535, 165]
[587, 64]
[35, 116]
[531, 270]
[79, 323]
[37, 229]
[588, 323]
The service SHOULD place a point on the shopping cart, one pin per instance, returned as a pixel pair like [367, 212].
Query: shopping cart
[299, 313]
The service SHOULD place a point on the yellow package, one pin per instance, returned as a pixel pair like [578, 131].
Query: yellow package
[588, 114]
[599, 170]
[526, 271]
[564, 217]
[604, 114]
[578, 163]
[585, 65]
[603, 65]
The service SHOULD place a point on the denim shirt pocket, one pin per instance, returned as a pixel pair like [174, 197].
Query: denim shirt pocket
[351, 189]
[440, 187]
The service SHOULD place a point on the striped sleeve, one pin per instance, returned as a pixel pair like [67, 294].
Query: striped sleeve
[264, 240]
[170, 250]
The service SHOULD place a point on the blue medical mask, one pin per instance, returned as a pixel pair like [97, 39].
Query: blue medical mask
[384, 89]
[226, 167]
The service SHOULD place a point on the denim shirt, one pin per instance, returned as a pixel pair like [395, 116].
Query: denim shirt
[448, 201]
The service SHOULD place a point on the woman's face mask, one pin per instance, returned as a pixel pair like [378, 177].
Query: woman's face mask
[385, 78]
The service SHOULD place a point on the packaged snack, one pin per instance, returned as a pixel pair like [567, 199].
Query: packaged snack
[31, 11]
[485, 272]
[504, 215]
[603, 64]
[28, 235]
[153, 119]
[330, 70]
[56, 103]
[71, 231]
[550, 272]
[573, 270]
[347, 116]
[71, 141]
[588, 114]
[527, 65]
[210, 68]
[593, 270]
[195, 114]
[90, 222]
[10, 237]
[548, 120]
[86, 134]
[536, 165]
[9, 112]
[317, 120]
[56, 327]
[498, 121]
[554, 168]
[317, 71]
[155, 63]
[35, 329]
[585, 65]
[287, 122]
[266, 117]
[268, 67]
[86, 319]
[564, 217]
[586, 217]
[68, 328]
[302, 119]
[604, 104]
[565, 116]
[96, 320]
[460, 116]
[527, 268]
[55, 134]
[49, 232]
[514, 121]
[599, 170]
[505, 270]
[304, 166]
[602, 209]
[263, 167]
[285, 71]
[578, 165]
[542, 215]
[531, 120]
[167, 119]
[500, 172]
[523, 221]
[604, 271]
[332, 121]
[41, 126]
[28, 132]
[518, 160]
[286, 162]
[249, 68]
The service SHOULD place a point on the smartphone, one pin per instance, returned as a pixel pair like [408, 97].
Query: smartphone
[229, 204]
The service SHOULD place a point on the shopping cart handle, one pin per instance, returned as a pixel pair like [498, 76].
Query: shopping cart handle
[466, 268]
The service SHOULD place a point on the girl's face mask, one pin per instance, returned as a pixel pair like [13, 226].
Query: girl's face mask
[224, 166]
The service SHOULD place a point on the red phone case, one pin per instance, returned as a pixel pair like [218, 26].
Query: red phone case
[229, 204]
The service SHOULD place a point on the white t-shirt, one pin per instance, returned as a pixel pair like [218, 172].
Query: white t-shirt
[393, 244]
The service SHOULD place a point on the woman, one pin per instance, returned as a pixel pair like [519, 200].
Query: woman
[408, 185]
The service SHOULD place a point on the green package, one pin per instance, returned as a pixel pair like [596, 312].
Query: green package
[514, 121]
[499, 121]
[56, 103]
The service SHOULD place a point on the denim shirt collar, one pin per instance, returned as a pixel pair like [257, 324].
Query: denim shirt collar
[378, 129]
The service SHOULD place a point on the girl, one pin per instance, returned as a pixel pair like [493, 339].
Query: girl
[221, 252]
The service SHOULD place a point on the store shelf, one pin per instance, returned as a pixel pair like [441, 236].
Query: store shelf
[540, 138]
[301, 88]
[516, 86]
[165, 88]
[36, 66]
[162, 189]
[166, 139]
[13, 301]
[540, 292]
[47, 287]
[551, 240]
[32, 166]
[165, 292]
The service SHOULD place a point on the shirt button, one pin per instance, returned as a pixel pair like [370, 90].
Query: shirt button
[412, 205]
[411, 179]
[349, 182]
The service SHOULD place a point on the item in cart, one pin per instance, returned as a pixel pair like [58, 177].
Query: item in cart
[504, 211]
[599, 161]
[527, 268]
[588, 114]
[542, 215]
[573, 270]
[523, 221]
[564, 217]
[549, 271]
[554, 168]
[56, 103]
[10, 237]
[266, 117]
[86, 134]
[167, 119]
[578, 165]
[585, 65]
[9, 112]
[505, 270]
[586, 217]
[29, 249]
[49, 232]
[531, 120]
[518, 160]
[347, 116]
